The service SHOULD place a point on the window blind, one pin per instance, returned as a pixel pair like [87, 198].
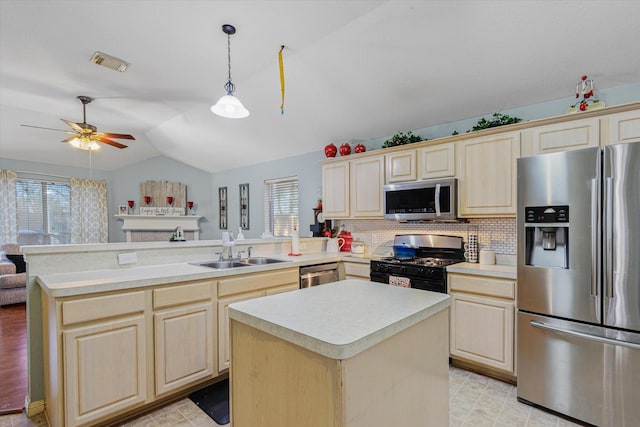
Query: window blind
[43, 212]
[281, 205]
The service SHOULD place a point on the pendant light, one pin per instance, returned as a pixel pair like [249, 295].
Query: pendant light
[229, 106]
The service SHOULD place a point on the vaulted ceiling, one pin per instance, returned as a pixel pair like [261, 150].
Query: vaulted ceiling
[355, 70]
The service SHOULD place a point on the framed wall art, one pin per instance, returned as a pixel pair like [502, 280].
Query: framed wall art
[222, 197]
[244, 206]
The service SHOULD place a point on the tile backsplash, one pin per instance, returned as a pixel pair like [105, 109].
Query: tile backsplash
[497, 234]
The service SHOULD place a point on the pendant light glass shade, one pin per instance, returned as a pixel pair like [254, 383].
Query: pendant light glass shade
[229, 106]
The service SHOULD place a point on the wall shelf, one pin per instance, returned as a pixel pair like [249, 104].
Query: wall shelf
[133, 223]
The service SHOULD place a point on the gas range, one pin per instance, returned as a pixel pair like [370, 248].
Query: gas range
[426, 269]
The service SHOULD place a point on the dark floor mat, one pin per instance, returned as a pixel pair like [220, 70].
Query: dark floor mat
[214, 400]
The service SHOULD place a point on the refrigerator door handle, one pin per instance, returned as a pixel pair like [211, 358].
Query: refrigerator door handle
[583, 335]
[438, 213]
[595, 240]
[608, 219]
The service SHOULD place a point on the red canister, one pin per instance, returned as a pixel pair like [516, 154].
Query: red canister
[348, 239]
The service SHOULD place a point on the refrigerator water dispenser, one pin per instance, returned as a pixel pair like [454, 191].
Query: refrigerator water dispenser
[547, 236]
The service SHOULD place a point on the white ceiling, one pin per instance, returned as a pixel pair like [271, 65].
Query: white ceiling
[355, 70]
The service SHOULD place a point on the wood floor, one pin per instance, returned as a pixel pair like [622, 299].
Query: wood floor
[13, 358]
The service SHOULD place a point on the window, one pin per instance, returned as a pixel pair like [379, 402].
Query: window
[281, 205]
[43, 212]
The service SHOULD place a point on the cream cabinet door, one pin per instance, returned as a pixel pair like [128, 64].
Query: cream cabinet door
[401, 166]
[623, 127]
[357, 270]
[335, 190]
[437, 161]
[571, 135]
[487, 175]
[104, 369]
[367, 180]
[223, 325]
[183, 346]
[482, 330]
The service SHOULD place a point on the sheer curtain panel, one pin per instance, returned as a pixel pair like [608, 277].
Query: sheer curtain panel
[8, 220]
[89, 220]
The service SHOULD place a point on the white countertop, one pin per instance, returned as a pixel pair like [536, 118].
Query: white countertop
[490, 270]
[340, 319]
[86, 282]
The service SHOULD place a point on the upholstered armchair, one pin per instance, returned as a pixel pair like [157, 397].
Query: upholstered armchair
[13, 278]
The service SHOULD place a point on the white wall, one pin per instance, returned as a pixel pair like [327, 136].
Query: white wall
[306, 167]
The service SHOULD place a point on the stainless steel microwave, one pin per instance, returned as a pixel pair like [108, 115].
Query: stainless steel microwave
[430, 200]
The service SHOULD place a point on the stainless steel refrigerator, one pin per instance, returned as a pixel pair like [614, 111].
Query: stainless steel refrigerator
[578, 322]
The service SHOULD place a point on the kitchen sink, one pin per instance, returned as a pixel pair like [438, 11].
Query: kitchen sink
[263, 260]
[221, 265]
[244, 262]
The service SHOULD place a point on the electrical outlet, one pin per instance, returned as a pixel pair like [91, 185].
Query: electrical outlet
[128, 258]
[374, 238]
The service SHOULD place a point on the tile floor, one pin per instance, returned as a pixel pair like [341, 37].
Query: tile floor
[475, 401]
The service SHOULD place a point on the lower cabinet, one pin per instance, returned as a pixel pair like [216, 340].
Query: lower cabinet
[356, 270]
[111, 353]
[246, 287]
[184, 332]
[94, 356]
[482, 321]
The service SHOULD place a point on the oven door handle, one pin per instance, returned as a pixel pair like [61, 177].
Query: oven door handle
[438, 200]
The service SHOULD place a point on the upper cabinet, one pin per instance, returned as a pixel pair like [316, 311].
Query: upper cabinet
[622, 127]
[487, 175]
[335, 190]
[485, 166]
[353, 188]
[367, 180]
[401, 166]
[437, 161]
[563, 136]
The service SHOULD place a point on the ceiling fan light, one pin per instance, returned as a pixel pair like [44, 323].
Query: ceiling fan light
[83, 143]
[230, 107]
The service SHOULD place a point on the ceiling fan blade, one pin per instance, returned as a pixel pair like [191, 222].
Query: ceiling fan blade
[108, 141]
[116, 135]
[69, 139]
[73, 125]
[40, 127]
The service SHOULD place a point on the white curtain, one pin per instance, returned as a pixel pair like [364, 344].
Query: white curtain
[89, 219]
[8, 219]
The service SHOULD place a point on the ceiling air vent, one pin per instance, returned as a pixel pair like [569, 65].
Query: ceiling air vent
[109, 61]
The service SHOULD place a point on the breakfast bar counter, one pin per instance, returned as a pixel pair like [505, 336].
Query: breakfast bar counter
[351, 353]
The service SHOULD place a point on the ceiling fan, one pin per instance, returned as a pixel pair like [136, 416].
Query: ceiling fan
[86, 136]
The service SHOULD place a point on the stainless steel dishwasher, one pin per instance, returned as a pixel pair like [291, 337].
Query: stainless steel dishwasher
[318, 274]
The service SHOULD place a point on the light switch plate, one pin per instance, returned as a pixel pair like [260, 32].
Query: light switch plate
[128, 258]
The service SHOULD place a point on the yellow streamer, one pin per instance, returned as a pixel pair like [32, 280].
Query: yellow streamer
[281, 78]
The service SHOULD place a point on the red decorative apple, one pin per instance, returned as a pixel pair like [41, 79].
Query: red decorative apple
[345, 149]
[360, 148]
[330, 150]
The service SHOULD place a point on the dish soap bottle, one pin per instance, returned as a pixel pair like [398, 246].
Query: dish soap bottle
[295, 242]
[240, 236]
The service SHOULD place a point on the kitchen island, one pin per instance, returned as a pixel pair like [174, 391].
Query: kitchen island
[346, 354]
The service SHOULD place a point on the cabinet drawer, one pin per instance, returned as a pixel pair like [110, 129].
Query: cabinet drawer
[182, 294]
[88, 309]
[356, 269]
[254, 282]
[501, 288]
